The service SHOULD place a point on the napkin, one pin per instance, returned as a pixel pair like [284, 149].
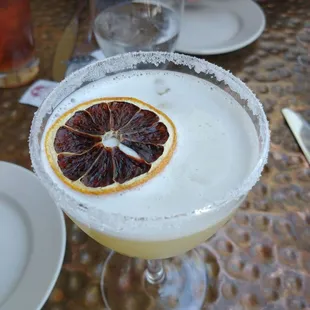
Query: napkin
[39, 90]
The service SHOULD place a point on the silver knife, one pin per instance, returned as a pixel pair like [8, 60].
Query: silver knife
[66, 45]
[301, 130]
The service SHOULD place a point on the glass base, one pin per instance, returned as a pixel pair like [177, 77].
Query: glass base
[20, 77]
[124, 284]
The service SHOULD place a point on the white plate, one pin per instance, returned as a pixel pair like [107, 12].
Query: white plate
[220, 26]
[32, 240]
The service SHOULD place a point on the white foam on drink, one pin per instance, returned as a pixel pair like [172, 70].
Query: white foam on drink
[217, 149]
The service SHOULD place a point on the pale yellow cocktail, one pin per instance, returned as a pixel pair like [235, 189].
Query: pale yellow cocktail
[151, 162]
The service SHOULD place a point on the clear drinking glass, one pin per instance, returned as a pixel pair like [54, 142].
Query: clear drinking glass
[123, 26]
[158, 268]
[18, 64]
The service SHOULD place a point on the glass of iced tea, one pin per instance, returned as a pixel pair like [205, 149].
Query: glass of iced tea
[18, 64]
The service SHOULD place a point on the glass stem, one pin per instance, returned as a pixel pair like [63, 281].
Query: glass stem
[155, 273]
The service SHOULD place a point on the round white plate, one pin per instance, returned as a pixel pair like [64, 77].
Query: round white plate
[32, 240]
[220, 26]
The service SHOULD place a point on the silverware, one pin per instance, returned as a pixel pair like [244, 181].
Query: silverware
[66, 45]
[301, 130]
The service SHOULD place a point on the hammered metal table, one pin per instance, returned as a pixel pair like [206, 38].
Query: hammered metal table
[261, 258]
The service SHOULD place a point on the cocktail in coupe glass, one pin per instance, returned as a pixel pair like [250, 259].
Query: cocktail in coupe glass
[150, 163]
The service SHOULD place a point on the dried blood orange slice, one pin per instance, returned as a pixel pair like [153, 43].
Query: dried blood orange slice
[110, 144]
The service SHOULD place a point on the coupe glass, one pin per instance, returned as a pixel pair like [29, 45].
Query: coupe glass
[153, 272]
[122, 26]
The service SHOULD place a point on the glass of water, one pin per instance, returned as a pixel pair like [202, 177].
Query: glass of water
[122, 26]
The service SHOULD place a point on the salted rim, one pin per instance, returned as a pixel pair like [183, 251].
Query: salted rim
[129, 61]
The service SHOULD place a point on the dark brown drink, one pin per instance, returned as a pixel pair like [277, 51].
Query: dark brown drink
[16, 41]
[16, 38]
